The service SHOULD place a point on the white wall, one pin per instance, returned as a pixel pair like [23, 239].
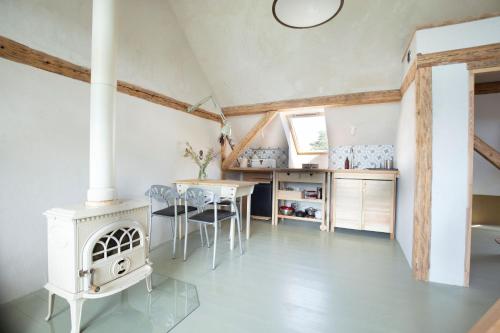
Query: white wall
[374, 124]
[458, 36]
[450, 110]
[272, 136]
[152, 49]
[487, 127]
[44, 122]
[405, 161]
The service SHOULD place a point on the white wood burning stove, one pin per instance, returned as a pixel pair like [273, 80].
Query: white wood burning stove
[101, 247]
[95, 252]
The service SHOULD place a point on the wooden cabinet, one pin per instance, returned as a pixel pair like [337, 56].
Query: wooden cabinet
[378, 205]
[364, 204]
[348, 203]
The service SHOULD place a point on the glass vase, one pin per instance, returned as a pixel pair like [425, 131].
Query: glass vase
[202, 173]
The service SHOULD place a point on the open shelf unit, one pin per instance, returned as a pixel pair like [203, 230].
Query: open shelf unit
[304, 179]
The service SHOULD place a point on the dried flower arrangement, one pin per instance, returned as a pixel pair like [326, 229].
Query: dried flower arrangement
[201, 158]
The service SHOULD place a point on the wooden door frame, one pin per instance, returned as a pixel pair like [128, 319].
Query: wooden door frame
[474, 68]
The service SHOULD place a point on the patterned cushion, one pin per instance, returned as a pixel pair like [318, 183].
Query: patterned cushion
[169, 211]
[208, 215]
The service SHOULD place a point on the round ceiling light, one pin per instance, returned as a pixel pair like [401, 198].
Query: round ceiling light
[302, 14]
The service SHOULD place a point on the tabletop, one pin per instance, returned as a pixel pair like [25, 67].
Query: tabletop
[216, 182]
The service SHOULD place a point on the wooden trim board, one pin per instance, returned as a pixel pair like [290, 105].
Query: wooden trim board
[480, 66]
[17, 52]
[478, 53]
[487, 88]
[245, 142]
[423, 183]
[361, 98]
[470, 178]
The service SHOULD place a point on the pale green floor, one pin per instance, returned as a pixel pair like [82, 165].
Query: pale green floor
[294, 278]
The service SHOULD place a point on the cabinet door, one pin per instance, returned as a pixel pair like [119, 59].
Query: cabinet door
[348, 203]
[378, 204]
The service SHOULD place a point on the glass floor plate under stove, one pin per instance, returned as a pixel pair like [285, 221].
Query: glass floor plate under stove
[132, 310]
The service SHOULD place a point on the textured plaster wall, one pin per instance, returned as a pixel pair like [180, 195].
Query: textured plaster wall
[405, 161]
[44, 122]
[250, 58]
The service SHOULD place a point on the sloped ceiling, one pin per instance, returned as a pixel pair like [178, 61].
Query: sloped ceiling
[249, 58]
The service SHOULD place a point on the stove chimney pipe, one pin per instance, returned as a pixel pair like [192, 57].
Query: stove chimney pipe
[102, 105]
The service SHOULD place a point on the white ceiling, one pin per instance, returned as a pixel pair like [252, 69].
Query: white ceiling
[248, 57]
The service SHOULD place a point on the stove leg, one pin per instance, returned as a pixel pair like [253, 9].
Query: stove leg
[50, 307]
[149, 285]
[75, 307]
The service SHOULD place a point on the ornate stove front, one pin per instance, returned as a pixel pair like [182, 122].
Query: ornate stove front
[95, 252]
[112, 252]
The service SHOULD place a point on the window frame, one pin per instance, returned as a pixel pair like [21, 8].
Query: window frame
[294, 135]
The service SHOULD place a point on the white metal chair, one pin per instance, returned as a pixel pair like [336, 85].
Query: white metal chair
[168, 196]
[201, 199]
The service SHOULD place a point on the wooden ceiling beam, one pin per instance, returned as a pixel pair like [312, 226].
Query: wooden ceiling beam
[245, 142]
[465, 55]
[487, 151]
[487, 88]
[17, 52]
[370, 97]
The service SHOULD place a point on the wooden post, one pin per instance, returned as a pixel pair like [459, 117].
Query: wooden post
[423, 183]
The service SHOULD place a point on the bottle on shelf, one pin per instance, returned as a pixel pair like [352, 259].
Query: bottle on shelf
[346, 163]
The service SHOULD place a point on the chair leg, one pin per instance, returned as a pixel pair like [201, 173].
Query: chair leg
[186, 232]
[149, 284]
[174, 235]
[206, 234]
[215, 245]
[201, 236]
[238, 225]
[150, 234]
[50, 307]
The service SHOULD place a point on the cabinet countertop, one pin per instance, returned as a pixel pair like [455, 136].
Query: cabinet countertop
[338, 171]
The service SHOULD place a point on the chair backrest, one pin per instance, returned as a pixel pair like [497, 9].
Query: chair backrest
[162, 193]
[199, 197]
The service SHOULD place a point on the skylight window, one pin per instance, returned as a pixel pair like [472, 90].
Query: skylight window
[309, 133]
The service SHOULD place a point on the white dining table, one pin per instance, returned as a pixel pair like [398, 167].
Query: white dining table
[226, 189]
